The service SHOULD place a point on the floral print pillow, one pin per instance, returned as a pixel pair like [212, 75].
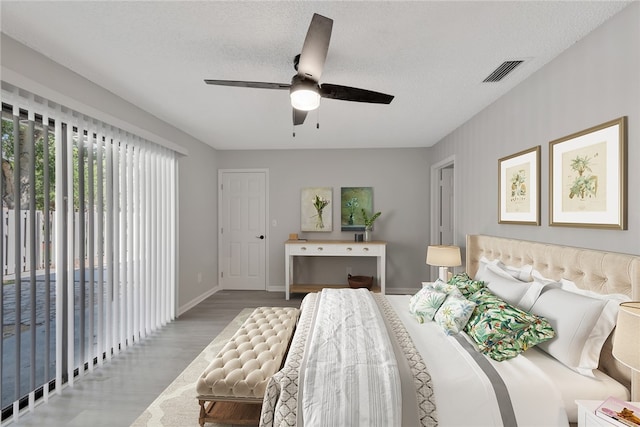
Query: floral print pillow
[454, 313]
[466, 284]
[442, 286]
[503, 331]
[425, 303]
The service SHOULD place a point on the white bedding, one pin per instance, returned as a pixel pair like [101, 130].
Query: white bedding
[282, 401]
[463, 392]
[573, 386]
[349, 370]
[465, 388]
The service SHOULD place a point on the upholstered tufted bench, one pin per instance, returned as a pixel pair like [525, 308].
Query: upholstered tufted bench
[239, 374]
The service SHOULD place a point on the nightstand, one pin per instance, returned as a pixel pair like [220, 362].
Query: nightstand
[587, 414]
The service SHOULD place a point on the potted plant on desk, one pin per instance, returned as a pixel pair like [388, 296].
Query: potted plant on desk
[368, 224]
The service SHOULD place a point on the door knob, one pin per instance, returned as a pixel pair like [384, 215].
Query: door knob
[260, 236]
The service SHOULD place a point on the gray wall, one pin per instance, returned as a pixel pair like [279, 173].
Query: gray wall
[197, 244]
[596, 80]
[400, 182]
[197, 224]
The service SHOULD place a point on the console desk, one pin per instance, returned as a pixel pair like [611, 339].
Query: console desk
[340, 248]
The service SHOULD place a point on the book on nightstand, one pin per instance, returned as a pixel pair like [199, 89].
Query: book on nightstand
[619, 413]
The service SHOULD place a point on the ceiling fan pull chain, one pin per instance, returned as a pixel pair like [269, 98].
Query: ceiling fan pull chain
[318, 118]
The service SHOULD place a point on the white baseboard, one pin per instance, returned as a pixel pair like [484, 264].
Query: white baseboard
[276, 288]
[188, 306]
[402, 291]
[280, 288]
[390, 291]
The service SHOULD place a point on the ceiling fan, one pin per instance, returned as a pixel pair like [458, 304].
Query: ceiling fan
[305, 90]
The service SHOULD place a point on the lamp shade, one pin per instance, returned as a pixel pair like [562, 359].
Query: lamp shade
[444, 256]
[626, 341]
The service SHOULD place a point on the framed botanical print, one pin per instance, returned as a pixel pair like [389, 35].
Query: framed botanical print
[588, 177]
[519, 188]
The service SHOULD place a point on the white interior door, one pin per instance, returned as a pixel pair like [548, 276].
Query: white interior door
[443, 228]
[443, 217]
[446, 206]
[243, 226]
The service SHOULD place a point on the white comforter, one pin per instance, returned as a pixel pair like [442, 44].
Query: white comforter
[464, 395]
[462, 386]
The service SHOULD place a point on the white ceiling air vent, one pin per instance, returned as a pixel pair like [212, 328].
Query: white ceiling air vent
[502, 71]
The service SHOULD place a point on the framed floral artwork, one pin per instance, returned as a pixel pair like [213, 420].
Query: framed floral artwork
[588, 177]
[315, 209]
[519, 188]
[352, 201]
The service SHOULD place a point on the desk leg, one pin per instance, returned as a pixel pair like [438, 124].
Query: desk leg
[288, 266]
[382, 272]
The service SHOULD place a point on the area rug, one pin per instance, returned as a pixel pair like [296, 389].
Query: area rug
[177, 406]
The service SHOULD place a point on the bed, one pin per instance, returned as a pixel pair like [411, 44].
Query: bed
[416, 374]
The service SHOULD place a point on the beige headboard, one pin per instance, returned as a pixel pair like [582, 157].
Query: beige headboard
[599, 271]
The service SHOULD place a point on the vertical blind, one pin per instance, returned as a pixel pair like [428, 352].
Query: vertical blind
[88, 237]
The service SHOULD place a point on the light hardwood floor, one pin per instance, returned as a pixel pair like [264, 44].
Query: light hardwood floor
[116, 394]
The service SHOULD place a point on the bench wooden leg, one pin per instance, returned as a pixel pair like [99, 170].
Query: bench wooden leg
[203, 411]
[237, 413]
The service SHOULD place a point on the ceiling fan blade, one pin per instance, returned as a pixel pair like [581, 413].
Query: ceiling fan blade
[346, 93]
[298, 116]
[315, 47]
[256, 85]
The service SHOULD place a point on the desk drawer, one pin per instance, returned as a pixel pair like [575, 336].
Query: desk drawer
[314, 249]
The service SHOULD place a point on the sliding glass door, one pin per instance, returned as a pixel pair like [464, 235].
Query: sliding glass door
[87, 238]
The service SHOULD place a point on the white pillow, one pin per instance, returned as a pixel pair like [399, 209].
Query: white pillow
[570, 286]
[538, 277]
[521, 273]
[513, 291]
[582, 320]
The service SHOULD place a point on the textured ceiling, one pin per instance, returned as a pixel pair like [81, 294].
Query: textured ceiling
[431, 55]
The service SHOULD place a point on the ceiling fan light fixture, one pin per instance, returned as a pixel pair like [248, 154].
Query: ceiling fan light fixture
[305, 90]
[305, 99]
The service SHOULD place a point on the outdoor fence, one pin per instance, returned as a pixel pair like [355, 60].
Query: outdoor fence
[23, 264]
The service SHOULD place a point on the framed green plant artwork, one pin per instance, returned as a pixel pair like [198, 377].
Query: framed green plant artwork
[352, 201]
[588, 177]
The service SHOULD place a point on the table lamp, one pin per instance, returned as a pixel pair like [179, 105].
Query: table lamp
[626, 342]
[443, 257]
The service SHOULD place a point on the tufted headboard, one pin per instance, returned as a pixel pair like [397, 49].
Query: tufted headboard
[599, 271]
